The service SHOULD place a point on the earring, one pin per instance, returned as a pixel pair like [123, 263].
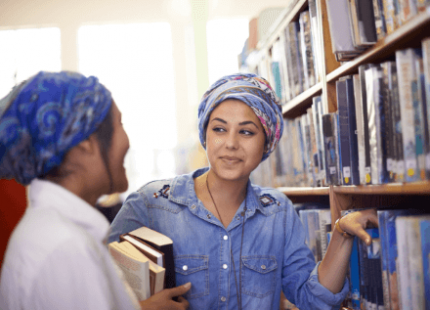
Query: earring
[204, 144]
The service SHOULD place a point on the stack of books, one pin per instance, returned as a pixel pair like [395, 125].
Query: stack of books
[146, 260]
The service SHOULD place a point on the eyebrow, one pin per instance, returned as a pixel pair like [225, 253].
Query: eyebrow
[241, 124]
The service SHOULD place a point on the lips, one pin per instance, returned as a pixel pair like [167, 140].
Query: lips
[231, 160]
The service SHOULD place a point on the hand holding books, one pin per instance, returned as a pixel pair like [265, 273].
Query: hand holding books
[164, 299]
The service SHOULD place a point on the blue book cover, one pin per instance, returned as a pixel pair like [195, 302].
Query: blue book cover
[384, 258]
[344, 144]
[329, 149]
[339, 157]
[425, 247]
[277, 78]
[354, 269]
[366, 286]
[352, 131]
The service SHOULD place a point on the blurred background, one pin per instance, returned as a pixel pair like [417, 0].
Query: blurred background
[157, 58]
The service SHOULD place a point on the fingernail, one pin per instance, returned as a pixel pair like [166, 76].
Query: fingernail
[187, 285]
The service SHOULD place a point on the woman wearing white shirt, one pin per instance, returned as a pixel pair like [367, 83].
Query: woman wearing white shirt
[62, 134]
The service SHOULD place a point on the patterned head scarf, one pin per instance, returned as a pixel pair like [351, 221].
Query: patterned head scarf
[44, 117]
[255, 92]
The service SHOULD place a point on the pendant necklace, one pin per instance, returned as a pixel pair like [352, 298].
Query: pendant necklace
[238, 292]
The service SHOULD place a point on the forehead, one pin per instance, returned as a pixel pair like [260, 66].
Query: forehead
[233, 109]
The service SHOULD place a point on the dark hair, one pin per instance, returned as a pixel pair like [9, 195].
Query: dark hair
[103, 135]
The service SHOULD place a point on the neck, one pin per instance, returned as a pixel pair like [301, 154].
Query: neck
[226, 191]
[80, 188]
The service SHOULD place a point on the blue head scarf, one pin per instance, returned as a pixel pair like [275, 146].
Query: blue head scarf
[44, 117]
[255, 92]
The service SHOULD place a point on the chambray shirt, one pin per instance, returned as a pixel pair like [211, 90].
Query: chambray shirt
[274, 254]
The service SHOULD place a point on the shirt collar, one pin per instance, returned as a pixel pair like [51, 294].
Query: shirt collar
[182, 192]
[46, 194]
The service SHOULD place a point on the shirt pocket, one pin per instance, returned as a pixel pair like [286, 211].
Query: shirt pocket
[194, 269]
[258, 275]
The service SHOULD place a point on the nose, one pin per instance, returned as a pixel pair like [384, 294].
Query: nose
[232, 141]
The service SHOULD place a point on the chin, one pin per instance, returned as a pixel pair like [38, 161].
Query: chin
[232, 175]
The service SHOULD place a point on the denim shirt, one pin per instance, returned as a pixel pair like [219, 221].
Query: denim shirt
[274, 254]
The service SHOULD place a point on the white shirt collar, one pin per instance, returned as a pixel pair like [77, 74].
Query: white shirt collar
[46, 194]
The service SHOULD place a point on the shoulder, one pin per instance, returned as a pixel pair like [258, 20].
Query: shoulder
[272, 200]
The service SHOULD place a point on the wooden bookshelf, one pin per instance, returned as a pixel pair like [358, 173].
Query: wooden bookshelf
[301, 102]
[304, 191]
[416, 188]
[410, 31]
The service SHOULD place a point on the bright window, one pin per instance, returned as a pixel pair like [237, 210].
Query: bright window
[135, 62]
[226, 38]
[24, 52]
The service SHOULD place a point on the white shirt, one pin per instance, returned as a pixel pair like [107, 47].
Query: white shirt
[57, 257]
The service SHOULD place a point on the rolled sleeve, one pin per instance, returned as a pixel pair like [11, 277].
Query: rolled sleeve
[321, 292]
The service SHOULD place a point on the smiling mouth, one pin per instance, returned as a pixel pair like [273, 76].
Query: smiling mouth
[231, 160]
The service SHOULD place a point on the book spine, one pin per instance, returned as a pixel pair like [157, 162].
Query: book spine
[313, 11]
[405, 73]
[415, 262]
[372, 112]
[307, 140]
[295, 60]
[355, 276]
[367, 163]
[307, 52]
[324, 217]
[300, 58]
[344, 132]
[426, 64]
[421, 124]
[339, 157]
[397, 123]
[303, 150]
[320, 109]
[388, 140]
[352, 131]
[315, 119]
[425, 249]
[384, 259]
[389, 13]
[329, 149]
[379, 20]
[360, 129]
[289, 62]
[381, 128]
[314, 146]
[403, 280]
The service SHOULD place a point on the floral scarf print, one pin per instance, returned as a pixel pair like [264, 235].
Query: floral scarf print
[255, 92]
[44, 117]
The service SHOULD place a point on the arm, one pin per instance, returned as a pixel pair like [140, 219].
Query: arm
[333, 268]
[300, 273]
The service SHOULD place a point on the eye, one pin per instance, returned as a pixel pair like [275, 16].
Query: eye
[218, 129]
[247, 132]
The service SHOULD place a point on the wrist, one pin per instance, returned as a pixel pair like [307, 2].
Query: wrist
[340, 230]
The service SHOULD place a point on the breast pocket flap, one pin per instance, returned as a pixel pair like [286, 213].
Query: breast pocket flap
[189, 264]
[262, 265]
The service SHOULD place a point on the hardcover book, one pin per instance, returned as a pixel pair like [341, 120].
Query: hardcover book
[328, 123]
[406, 73]
[317, 109]
[425, 249]
[384, 258]
[314, 148]
[307, 50]
[426, 63]
[313, 11]
[360, 129]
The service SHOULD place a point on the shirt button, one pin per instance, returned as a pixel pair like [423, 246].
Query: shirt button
[193, 207]
[225, 237]
[263, 267]
[224, 266]
[185, 267]
[223, 299]
[209, 216]
[238, 217]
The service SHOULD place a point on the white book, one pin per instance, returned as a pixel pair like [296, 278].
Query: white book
[403, 278]
[406, 72]
[360, 127]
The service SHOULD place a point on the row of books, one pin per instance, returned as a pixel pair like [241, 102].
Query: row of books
[146, 260]
[357, 25]
[380, 133]
[383, 121]
[293, 63]
[392, 273]
[316, 220]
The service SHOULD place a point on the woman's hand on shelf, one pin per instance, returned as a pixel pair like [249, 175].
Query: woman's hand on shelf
[355, 223]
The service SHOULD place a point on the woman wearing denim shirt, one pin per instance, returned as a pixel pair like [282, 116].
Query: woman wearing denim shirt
[240, 244]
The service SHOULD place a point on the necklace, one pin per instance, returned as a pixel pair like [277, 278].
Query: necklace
[238, 292]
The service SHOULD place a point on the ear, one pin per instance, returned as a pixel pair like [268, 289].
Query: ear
[89, 146]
